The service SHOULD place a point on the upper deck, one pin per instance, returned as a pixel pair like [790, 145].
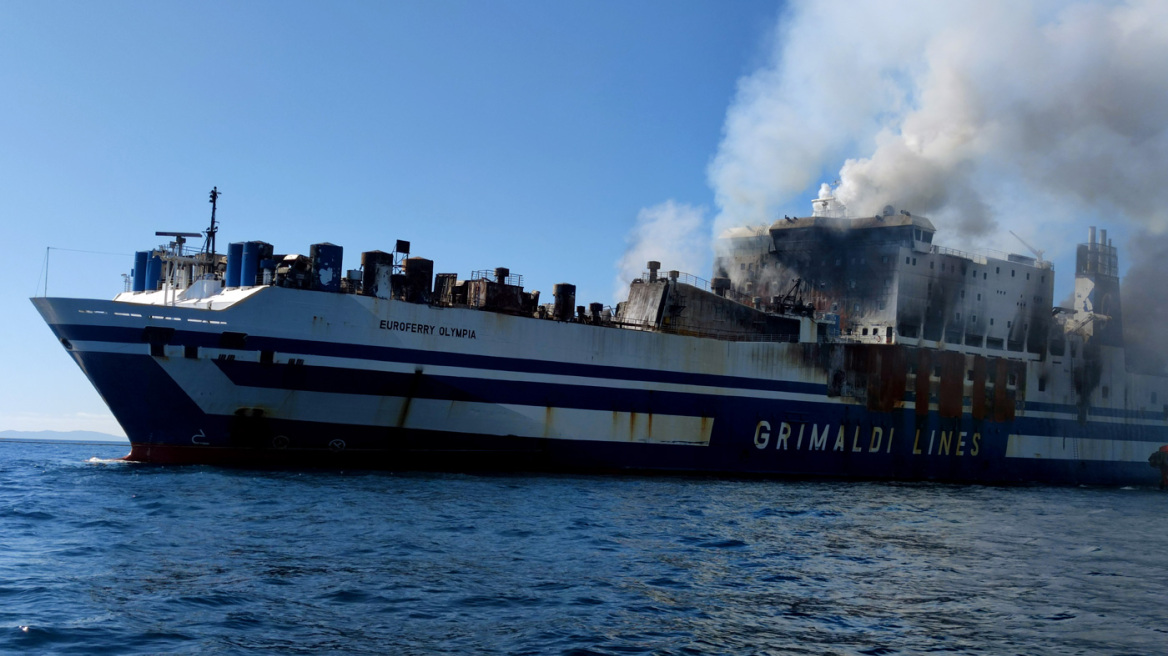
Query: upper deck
[886, 281]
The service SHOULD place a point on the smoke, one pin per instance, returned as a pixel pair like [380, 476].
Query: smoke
[957, 110]
[674, 234]
[1145, 312]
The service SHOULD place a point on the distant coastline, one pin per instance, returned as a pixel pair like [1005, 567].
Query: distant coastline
[62, 437]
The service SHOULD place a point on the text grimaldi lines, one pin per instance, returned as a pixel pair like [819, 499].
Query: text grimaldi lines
[875, 440]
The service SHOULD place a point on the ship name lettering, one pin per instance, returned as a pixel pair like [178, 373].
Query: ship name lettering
[879, 439]
[427, 329]
[402, 326]
[464, 333]
[818, 440]
[762, 437]
[784, 434]
[950, 443]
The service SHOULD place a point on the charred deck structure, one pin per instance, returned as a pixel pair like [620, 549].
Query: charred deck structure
[822, 346]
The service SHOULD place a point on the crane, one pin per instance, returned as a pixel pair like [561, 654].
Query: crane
[1037, 253]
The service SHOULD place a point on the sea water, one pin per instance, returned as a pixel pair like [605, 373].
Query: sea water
[100, 556]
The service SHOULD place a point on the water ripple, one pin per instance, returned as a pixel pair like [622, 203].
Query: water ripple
[110, 557]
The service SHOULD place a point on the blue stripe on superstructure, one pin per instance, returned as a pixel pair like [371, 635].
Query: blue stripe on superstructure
[81, 332]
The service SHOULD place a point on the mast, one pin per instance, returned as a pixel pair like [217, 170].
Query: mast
[209, 245]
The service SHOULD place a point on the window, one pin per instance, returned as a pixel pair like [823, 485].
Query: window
[907, 260]
[865, 332]
[963, 293]
[937, 371]
[1106, 391]
[1028, 276]
[1009, 324]
[914, 261]
[1153, 397]
[973, 319]
[1042, 384]
[1012, 273]
[969, 374]
[931, 264]
[991, 321]
[979, 297]
[1011, 379]
[958, 316]
[998, 270]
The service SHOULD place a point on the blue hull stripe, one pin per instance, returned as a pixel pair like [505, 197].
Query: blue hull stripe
[170, 421]
[537, 394]
[451, 388]
[438, 358]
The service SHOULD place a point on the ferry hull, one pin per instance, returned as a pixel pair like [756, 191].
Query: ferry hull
[530, 395]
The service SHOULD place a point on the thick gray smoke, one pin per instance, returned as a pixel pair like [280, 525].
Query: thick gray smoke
[969, 112]
[1144, 292]
[1040, 115]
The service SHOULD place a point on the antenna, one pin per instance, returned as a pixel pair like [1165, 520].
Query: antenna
[180, 238]
[1037, 253]
[209, 244]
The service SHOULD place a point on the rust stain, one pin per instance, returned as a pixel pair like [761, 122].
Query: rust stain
[1003, 405]
[952, 384]
[924, 371]
[978, 394]
[887, 374]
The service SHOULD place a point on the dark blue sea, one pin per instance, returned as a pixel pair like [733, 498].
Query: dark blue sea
[99, 557]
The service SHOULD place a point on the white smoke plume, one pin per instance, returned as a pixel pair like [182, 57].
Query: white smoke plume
[960, 110]
[674, 234]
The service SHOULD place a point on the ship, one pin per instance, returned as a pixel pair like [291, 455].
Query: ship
[823, 346]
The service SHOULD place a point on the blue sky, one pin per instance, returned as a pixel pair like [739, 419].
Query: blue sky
[520, 134]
